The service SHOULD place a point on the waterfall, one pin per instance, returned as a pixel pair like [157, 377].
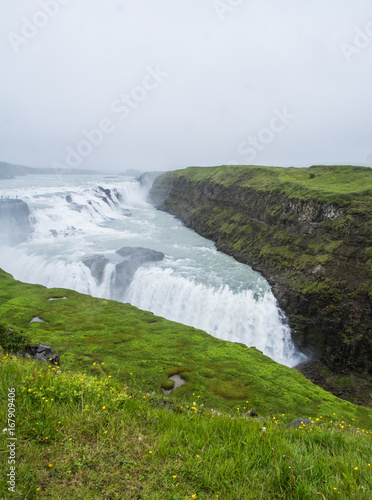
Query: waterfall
[99, 236]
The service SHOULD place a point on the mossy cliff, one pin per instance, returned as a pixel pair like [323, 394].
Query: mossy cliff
[309, 232]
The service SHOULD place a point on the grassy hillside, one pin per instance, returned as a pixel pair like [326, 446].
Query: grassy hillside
[99, 426]
[142, 350]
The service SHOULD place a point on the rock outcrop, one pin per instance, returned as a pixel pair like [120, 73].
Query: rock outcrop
[133, 258]
[42, 352]
[130, 259]
[97, 265]
[14, 221]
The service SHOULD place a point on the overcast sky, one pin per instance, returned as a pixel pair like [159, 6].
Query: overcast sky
[164, 84]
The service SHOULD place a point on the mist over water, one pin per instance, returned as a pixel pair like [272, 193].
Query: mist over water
[79, 223]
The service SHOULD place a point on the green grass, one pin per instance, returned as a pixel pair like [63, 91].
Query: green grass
[142, 350]
[333, 184]
[100, 426]
[82, 436]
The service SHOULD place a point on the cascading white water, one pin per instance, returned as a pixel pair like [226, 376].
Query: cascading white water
[80, 218]
[219, 311]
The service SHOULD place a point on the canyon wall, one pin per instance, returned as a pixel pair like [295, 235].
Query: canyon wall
[312, 243]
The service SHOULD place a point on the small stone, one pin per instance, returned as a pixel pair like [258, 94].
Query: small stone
[299, 422]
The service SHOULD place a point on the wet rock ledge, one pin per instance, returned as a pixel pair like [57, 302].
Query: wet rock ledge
[14, 221]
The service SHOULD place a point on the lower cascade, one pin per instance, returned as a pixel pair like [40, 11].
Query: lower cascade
[99, 236]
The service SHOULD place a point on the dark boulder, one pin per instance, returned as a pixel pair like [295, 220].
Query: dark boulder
[140, 254]
[42, 352]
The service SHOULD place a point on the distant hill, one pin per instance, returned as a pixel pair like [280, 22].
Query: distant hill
[9, 171]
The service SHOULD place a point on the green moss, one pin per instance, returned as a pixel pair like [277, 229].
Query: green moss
[333, 246]
[333, 310]
[322, 259]
[228, 389]
[283, 237]
[344, 381]
[167, 384]
[207, 372]
[314, 287]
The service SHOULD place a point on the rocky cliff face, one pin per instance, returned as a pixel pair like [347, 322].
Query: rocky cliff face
[314, 253]
[14, 221]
